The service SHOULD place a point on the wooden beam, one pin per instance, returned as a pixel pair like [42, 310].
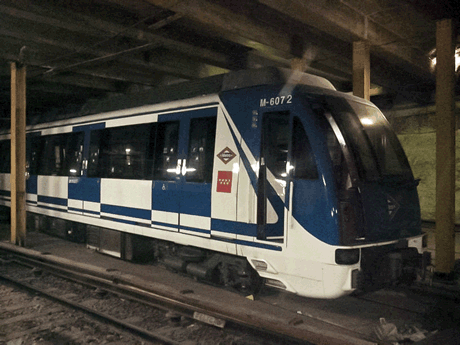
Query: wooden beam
[18, 154]
[445, 147]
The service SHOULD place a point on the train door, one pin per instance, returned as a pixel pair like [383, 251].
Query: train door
[196, 163]
[85, 191]
[166, 177]
[273, 176]
[181, 189]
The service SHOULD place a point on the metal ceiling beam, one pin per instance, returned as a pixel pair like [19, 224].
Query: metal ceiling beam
[91, 25]
[234, 27]
[183, 69]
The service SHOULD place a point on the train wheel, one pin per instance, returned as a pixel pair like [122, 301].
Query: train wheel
[240, 276]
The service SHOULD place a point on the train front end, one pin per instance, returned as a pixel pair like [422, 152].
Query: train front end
[377, 211]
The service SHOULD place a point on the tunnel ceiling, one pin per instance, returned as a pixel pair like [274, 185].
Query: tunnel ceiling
[83, 50]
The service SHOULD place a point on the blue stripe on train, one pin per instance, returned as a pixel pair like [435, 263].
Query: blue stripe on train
[52, 200]
[202, 231]
[5, 193]
[127, 211]
[258, 245]
[232, 227]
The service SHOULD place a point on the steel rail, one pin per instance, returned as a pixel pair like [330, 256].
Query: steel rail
[101, 316]
[296, 330]
[139, 294]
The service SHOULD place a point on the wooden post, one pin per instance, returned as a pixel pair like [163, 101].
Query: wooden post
[445, 147]
[18, 154]
[361, 70]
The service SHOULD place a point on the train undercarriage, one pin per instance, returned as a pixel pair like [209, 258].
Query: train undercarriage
[226, 270]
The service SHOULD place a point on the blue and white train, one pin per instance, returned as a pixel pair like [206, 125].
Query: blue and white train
[254, 174]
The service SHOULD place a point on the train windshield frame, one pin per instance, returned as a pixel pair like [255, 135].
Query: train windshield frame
[373, 145]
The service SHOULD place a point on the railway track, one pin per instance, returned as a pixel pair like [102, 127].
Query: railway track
[136, 314]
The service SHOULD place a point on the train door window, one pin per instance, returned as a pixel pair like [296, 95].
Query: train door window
[276, 142]
[94, 152]
[166, 151]
[302, 155]
[121, 152]
[33, 153]
[74, 148]
[5, 157]
[201, 150]
[61, 154]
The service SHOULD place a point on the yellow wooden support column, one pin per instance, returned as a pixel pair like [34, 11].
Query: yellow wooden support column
[18, 154]
[445, 147]
[361, 69]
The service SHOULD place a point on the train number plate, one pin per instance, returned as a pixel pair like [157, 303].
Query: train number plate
[211, 320]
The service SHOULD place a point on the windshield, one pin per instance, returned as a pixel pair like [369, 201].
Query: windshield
[374, 146]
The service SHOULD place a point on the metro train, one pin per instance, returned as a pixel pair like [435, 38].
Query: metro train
[264, 176]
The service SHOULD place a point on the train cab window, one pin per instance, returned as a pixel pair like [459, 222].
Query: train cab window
[166, 151]
[276, 143]
[5, 157]
[61, 154]
[302, 155]
[201, 150]
[121, 152]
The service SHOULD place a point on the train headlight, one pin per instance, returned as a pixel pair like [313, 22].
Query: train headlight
[347, 256]
[260, 265]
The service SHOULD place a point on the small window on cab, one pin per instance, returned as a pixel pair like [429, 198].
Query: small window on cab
[302, 156]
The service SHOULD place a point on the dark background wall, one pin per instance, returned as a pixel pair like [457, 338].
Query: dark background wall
[416, 129]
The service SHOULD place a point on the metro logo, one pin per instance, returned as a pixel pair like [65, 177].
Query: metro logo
[224, 182]
[226, 155]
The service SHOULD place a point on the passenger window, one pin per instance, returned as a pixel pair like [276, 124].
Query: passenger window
[5, 157]
[302, 155]
[61, 154]
[166, 147]
[201, 149]
[121, 152]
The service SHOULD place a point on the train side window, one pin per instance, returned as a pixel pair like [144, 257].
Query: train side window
[61, 154]
[302, 155]
[5, 157]
[121, 152]
[166, 149]
[201, 149]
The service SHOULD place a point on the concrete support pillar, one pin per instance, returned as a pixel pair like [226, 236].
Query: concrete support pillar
[18, 154]
[445, 147]
[361, 69]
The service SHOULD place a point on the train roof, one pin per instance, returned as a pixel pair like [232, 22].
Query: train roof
[211, 85]
[190, 89]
